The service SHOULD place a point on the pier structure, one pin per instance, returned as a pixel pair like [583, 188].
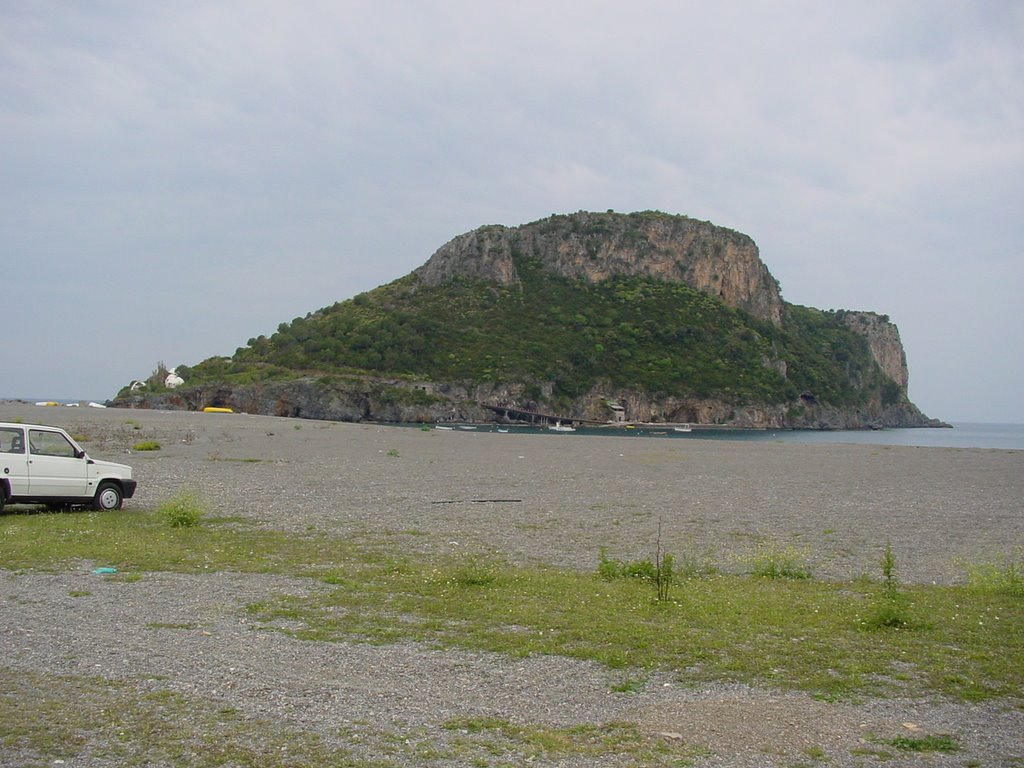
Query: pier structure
[511, 413]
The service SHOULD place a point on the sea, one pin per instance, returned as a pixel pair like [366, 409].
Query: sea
[961, 435]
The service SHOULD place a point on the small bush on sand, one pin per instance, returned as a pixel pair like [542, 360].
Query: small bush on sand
[183, 510]
[146, 445]
[890, 608]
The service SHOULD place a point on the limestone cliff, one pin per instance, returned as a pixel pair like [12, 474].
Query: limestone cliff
[595, 246]
[884, 342]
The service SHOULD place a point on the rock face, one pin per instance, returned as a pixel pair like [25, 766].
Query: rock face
[884, 342]
[309, 398]
[596, 246]
[368, 399]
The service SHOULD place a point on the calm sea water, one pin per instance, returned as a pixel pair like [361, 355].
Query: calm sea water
[962, 435]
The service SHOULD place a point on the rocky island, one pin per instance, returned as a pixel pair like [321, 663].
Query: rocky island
[647, 317]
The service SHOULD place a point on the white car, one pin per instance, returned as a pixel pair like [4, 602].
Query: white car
[43, 465]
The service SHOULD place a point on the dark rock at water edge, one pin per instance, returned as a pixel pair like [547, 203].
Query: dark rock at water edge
[382, 401]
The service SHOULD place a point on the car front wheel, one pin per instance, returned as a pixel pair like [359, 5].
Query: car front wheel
[108, 496]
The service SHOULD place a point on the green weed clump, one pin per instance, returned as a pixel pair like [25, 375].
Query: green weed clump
[890, 607]
[146, 445]
[931, 743]
[183, 510]
[774, 562]
[475, 571]
[660, 572]
[1005, 577]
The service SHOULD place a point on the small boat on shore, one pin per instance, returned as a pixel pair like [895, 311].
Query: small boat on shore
[684, 428]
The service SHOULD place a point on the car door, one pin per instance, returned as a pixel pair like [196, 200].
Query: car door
[14, 459]
[55, 467]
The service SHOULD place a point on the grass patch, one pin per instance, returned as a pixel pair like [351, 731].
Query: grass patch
[480, 737]
[771, 561]
[815, 752]
[929, 743]
[787, 633]
[630, 685]
[797, 634]
[49, 718]
[1000, 577]
[146, 445]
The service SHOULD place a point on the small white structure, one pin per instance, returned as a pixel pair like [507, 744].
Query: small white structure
[618, 412]
[173, 379]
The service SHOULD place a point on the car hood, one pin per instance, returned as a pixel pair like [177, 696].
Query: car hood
[111, 468]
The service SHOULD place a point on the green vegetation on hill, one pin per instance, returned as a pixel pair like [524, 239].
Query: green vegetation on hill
[632, 333]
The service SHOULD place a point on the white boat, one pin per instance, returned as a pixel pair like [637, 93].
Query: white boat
[467, 426]
[560, 427]
[441, 426]
[684, 428]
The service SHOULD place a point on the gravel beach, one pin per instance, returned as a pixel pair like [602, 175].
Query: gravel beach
[554, 499]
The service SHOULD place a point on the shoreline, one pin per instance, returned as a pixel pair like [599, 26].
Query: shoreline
[695, 426]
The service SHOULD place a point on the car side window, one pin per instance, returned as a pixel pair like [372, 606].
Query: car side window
[44, 443]
[11, 440]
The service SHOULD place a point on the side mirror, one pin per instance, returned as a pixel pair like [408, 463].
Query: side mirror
[79, 454]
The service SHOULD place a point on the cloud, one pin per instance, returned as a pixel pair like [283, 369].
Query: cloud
[296, 154]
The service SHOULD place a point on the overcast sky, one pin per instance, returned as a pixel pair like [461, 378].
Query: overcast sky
[178, 177]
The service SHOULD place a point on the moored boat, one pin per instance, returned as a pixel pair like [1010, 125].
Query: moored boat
[560, 427]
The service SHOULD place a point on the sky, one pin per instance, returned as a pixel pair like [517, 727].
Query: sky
[177, 178]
